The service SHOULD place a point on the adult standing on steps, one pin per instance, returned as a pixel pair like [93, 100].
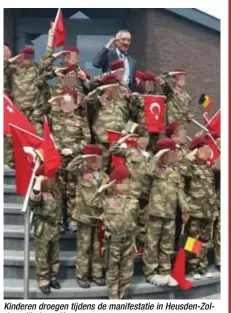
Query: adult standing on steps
[117, 49]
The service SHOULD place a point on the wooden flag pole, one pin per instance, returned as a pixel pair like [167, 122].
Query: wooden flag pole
[25, 131]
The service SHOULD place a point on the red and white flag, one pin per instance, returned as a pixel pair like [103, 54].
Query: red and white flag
[114, 136]
[154, 110]
[60, 32]
[213, 124]
[24, 146]
[12, 115]
[52, 158]
[215, 151]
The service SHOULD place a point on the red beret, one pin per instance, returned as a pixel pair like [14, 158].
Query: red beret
[116, 65]
[171, 128]
[40, 170]
[70, 92]
[73, 49]
[27, 50]
[165, 143]
[120, 173]
[140, 75]
[198, 142]
[6, 43]
[109, 79]
[92, 149]
[149, 75]
[69, 68]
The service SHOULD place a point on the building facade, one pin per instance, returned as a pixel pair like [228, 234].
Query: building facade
[162, 40]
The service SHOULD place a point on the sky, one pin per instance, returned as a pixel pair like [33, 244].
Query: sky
[212, 11]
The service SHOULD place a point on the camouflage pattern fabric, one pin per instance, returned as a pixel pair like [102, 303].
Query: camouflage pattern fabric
[217, 240]
[119, 220]
[159, 244]
[178, 108]
[8, 151]
[201, 229]
[47, 213]
[89, 263]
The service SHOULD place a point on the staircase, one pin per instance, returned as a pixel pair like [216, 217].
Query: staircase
[14, 262]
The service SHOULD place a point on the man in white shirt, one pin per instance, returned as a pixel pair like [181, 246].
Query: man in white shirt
[117, 49]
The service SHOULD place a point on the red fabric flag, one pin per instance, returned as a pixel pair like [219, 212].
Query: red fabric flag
[114, 136]
[24, 145]
[60, 33]
[52, 158]
[213, 124]
[154, 110]
[215, 152]
[12, 115]
[178, 272]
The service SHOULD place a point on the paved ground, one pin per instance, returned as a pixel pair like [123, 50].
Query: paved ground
[217, 296]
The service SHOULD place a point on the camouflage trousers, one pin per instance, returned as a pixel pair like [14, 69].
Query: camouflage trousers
[119, 264]
[159, 244]
[89, 263]
[47, 251]
[8, 152]
[37, 117]
[142, 223]
[106, 157]
[67, 183]
[200, 229]
[217, 240]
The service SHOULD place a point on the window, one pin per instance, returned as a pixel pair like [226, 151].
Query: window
[89, 46]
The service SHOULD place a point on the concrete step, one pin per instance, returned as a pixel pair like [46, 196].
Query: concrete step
[14, 265]
[12, 214]
[9, 176]
[139, 289]
[10, 195]
[14, 239]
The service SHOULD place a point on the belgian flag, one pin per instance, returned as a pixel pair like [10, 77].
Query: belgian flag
[205, 101]
[190, 244]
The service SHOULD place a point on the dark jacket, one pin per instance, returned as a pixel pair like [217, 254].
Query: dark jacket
[104, 58]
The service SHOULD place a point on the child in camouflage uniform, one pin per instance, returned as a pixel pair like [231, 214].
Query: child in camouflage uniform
[119, 220]
[166, 190]
[45, 200]
[202, 203]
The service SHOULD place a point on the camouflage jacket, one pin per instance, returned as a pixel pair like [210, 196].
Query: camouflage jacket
[26, 83]
[69, 131]
[166, 189]
[201, 189]
[47, 206]
[137, 162]
[111, 114]
[88, 202]
[181, 153]
[178, 107]
[217, 179]
[120, 214]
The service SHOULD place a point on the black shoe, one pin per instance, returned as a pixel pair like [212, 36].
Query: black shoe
[99, 281]
[83, 283]
[55, 284]
[45, 290]
[218, 268]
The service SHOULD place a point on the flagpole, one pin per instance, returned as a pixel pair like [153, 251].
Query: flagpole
[26, 211]
[200, 125]
[25, 131]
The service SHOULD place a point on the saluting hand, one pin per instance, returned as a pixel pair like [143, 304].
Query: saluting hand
[104, 187]
[61, 54]
[66, 151]
[16, 58]
[123, 139]
[112, 42]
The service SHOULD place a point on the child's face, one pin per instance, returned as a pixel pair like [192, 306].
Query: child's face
[180, 80]
[181, 136]
[149, 86]
[204, 153]
[142, 142]
[167, 157]
[94, 163]
[68, 104]
[72, 57]
[122, 187]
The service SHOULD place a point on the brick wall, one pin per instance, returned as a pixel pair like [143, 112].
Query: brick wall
[162, 41]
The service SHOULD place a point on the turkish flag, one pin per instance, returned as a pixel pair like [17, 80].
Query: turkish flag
[12, 115]
[60, 32]
[52, 159]
[154, 110]
[215, 152]
[24, 145]
[213, 124]
[114, 136]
